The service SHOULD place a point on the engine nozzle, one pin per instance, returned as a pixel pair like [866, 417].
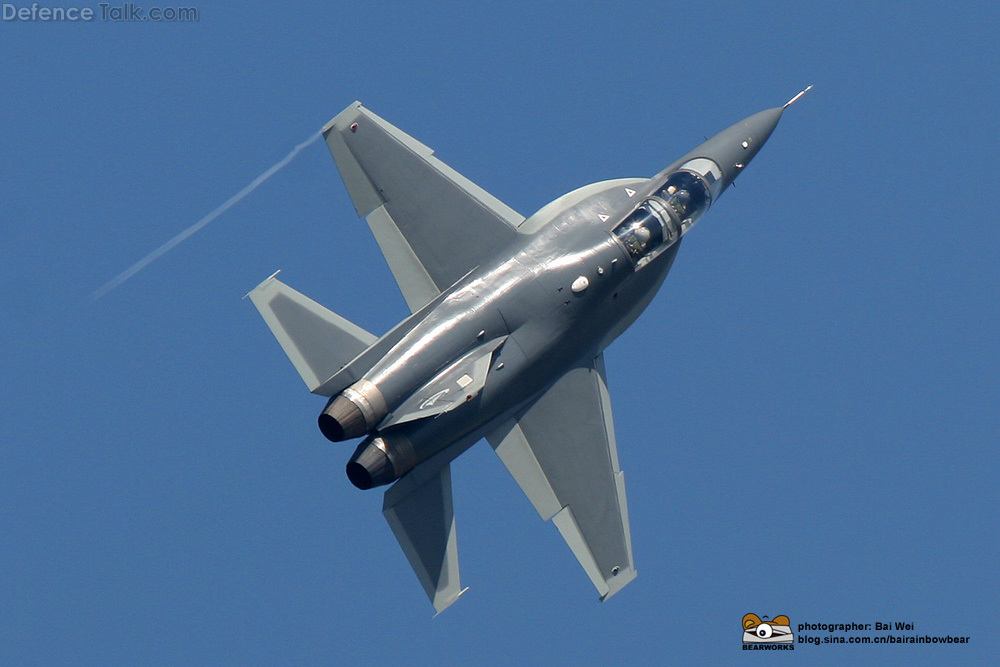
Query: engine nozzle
[354, 412]
[381, 460]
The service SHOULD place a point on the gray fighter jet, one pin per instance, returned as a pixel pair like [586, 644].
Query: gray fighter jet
[510, 317]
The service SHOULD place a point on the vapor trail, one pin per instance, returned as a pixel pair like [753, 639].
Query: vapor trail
[225, 206]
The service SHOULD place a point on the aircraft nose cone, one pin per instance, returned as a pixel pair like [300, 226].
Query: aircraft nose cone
[758, 129]
[734, 148]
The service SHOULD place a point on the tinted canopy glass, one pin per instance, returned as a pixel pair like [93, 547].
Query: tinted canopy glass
[647, 232]
[687, 196]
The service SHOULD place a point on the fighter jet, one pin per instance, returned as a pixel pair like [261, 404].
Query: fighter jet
[509, 320]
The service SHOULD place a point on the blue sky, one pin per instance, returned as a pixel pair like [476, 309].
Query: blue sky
[806, 414]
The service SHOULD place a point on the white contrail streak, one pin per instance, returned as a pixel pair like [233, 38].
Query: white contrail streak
[225, 206]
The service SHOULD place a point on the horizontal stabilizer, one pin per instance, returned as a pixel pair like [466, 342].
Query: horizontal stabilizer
[419, 511]
[317, 341]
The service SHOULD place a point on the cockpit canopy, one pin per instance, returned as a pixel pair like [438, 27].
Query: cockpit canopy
[687, 196]
[672, 209]
[647, 232]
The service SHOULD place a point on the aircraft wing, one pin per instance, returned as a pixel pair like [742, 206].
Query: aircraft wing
[561, 451]
[432, 224]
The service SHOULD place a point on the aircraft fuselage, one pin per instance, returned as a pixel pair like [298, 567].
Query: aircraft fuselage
[557, 299]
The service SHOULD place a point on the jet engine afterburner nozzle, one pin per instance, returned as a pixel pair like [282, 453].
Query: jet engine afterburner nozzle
[381, 460]
[353, 413]
[342, 420]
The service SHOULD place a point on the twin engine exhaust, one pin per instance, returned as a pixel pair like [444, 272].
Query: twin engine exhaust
[379, 460]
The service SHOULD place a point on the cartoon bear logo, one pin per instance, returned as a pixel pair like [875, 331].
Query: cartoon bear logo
[776, 631]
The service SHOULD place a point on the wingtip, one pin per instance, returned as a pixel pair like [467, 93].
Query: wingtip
[449, 602]
[350, 110]
[796, 98]
[619, 582]
[262, 283]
